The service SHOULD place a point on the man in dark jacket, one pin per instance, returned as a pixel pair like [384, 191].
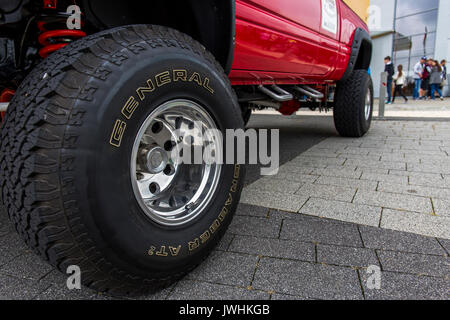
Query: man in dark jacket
[389, 69]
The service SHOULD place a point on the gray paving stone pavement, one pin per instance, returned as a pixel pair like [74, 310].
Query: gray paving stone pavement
[445, 244]
[312, 231]
[12, 288]
[263, 227]
[398, 167]
[195, 290]
[61, 292]
[321, 231]
[274, 200]
[442, 207]
[377, 238]
[346, 256]
[226, 268]
[276, 185]
[385, 178]
[343, 211]
[398, 286]
[328, 192]
[394, 201]
[415, 263]
[285, 297]
[309, 280]
[425, 224]
[276, 248]
[347, 182]
[428, 192]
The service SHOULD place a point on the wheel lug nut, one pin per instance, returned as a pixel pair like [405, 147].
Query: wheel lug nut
[169, 145]
[157, 127]
[169, 170]
[154, 188]
[178, 122]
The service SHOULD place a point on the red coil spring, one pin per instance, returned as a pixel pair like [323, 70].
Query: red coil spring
[53, 40]
[5, 96]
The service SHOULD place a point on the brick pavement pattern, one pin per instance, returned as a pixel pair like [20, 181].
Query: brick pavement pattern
[312, 231]
[397, 177]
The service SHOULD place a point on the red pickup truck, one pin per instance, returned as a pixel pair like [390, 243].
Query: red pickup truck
[96, 94]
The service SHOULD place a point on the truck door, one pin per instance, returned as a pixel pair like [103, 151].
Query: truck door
[328, 45]
[277, 36]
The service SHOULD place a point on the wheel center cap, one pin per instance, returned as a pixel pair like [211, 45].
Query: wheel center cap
[157, 160]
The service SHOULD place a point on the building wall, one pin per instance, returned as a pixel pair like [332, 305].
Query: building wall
[382, 47]
[443, 36]
[382, 24]
[387, 14]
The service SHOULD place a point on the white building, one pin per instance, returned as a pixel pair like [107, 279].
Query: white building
[408, 30]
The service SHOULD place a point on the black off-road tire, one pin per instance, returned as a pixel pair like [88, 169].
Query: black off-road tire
[349, 105]
[246, 114]
[66, 184]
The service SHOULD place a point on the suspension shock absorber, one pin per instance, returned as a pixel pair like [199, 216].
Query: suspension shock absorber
[54, 33]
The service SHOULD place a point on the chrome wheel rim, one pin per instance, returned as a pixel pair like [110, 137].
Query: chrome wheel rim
[368, 105]
[169, 191]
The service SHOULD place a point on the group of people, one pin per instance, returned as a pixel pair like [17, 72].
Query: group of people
[430, 77]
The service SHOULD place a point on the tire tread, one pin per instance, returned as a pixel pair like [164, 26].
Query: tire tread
[347, 110]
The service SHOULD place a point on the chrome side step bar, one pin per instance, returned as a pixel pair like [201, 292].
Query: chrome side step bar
[3, 106]
[276, 93]
[310, 92]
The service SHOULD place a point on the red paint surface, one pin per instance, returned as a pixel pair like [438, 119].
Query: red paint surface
[282, 42]
[279, 42]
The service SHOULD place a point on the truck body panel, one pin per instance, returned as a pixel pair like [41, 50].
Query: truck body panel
[283, 42]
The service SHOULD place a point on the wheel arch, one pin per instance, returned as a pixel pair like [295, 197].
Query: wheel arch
[211, 22]
[361, 53]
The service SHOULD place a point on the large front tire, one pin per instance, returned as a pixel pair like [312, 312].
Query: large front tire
[70, 144]
[353, 106]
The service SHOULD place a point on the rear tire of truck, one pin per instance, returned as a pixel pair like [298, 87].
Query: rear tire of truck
[87, 168]
[353, 106]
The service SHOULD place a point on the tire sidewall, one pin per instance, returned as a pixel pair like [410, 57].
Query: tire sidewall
[367, 87]
[128, 238]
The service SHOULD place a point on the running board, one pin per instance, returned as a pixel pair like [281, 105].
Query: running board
[310, 92]
[276, 93]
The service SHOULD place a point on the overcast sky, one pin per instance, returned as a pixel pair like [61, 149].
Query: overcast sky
[416, 24]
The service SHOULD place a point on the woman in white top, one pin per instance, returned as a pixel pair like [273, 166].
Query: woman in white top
[400, 82]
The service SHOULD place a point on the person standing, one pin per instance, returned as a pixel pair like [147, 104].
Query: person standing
[430, 64]
[389, 69]
[425, 80]
[418, 71]
[435, 79]
[400, 81]
[444, 74]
